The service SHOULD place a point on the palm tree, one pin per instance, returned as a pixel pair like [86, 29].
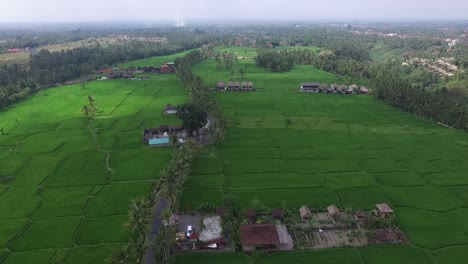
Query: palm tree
[122, 255]
[139, 215]
[138, 248]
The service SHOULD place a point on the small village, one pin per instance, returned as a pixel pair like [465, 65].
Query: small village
[250, 231]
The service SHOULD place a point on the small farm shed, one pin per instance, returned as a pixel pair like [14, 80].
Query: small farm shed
[333, 211]
[305, 212]
[360, 216]
[383, 210]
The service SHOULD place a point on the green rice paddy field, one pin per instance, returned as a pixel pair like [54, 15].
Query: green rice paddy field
[63, 200]
[352, 151]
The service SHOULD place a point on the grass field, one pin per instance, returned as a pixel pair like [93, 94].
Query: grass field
[320, 149]
[62, 200]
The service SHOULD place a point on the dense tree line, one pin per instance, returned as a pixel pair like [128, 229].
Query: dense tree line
[440, 105]
[48, 69]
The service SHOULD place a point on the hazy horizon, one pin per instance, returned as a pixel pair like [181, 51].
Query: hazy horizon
[179, 11]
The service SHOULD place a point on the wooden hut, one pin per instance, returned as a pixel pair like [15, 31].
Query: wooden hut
[360, 216]
[305, 212]
[244, 86]
[383, 210]
[333, 211]
[221, 86]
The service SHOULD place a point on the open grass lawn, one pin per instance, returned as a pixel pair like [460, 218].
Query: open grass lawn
[320, 149]
[59, 201]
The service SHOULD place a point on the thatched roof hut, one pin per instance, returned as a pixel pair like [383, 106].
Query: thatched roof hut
[333, 211]
[305, 213]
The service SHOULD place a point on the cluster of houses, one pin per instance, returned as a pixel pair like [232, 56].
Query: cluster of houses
[167, 67]
[255, 233]
[159, 137]
[316, 87]
[235, 86]
[127, 73]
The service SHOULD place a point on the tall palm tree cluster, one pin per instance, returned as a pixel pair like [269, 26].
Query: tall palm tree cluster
[139, 220]
[173, 176]
[200, 95]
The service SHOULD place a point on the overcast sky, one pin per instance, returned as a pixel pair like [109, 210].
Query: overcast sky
[154, 10]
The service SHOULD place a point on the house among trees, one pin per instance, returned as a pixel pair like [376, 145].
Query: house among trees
[305, 212]
[383, 210]
[342, 89]
[352, 89]
[360, 216]
[265, 236]
[333, 88]
[324, 87]
[363, 90]
[170, 109]
[221, 86]
[14, 50]
[166, 68]
[310, 87]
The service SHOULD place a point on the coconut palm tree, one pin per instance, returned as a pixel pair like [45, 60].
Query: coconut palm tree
[139, 215]
[122, 255]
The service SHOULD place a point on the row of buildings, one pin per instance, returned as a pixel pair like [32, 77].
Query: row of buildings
[235, 86]
[316, 87]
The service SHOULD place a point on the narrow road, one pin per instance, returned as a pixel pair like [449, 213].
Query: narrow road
[157, 222]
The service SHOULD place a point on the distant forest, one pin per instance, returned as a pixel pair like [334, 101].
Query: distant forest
[379, 56]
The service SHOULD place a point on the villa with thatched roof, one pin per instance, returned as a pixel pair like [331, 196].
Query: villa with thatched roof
[247, 86]
[221, 86]
[352, 89]
[305, 212]
[233, 86]
[363, 90]
[333, 88]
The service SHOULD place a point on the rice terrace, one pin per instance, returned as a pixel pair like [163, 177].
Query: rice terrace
[205, 148]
